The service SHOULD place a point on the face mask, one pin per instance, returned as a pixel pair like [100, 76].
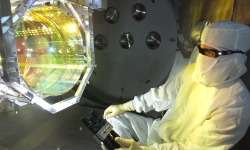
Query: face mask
[213, 71]
[204, 64]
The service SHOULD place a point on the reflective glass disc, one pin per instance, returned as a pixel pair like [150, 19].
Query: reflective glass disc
[50, 50]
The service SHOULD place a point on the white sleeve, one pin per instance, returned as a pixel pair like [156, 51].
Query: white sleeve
[160, 98]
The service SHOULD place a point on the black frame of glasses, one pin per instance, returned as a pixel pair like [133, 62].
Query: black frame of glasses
[217, 52]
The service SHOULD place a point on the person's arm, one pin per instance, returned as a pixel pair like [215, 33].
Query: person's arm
[224, 129]
[115, 110]
[160, 98]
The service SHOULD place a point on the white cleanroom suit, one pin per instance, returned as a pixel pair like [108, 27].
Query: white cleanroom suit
[209, 106]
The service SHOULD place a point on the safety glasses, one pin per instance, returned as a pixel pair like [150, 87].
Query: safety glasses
[216, 53]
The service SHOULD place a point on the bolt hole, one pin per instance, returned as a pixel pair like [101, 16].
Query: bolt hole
[147, 81]
[94, 72]
[120, 98]
[153, 1]
[122, 89]
[172, 39]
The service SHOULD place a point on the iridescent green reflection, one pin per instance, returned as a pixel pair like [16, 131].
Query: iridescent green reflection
[50, 51]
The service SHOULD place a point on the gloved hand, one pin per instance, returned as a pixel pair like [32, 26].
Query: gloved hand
[115, 110]
[129, 144]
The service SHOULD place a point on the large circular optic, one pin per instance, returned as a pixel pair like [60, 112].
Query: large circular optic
[126, 40]
[50, 50]
[139, 12]
[100, 42]
[111, 15]
[153, 40]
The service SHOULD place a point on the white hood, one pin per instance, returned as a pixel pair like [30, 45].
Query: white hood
[223, 35]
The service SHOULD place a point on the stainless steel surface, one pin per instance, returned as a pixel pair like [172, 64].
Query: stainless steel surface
[127, 67]
[104, 131]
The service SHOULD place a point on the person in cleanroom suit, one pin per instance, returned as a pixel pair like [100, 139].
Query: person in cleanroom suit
[209, 106]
